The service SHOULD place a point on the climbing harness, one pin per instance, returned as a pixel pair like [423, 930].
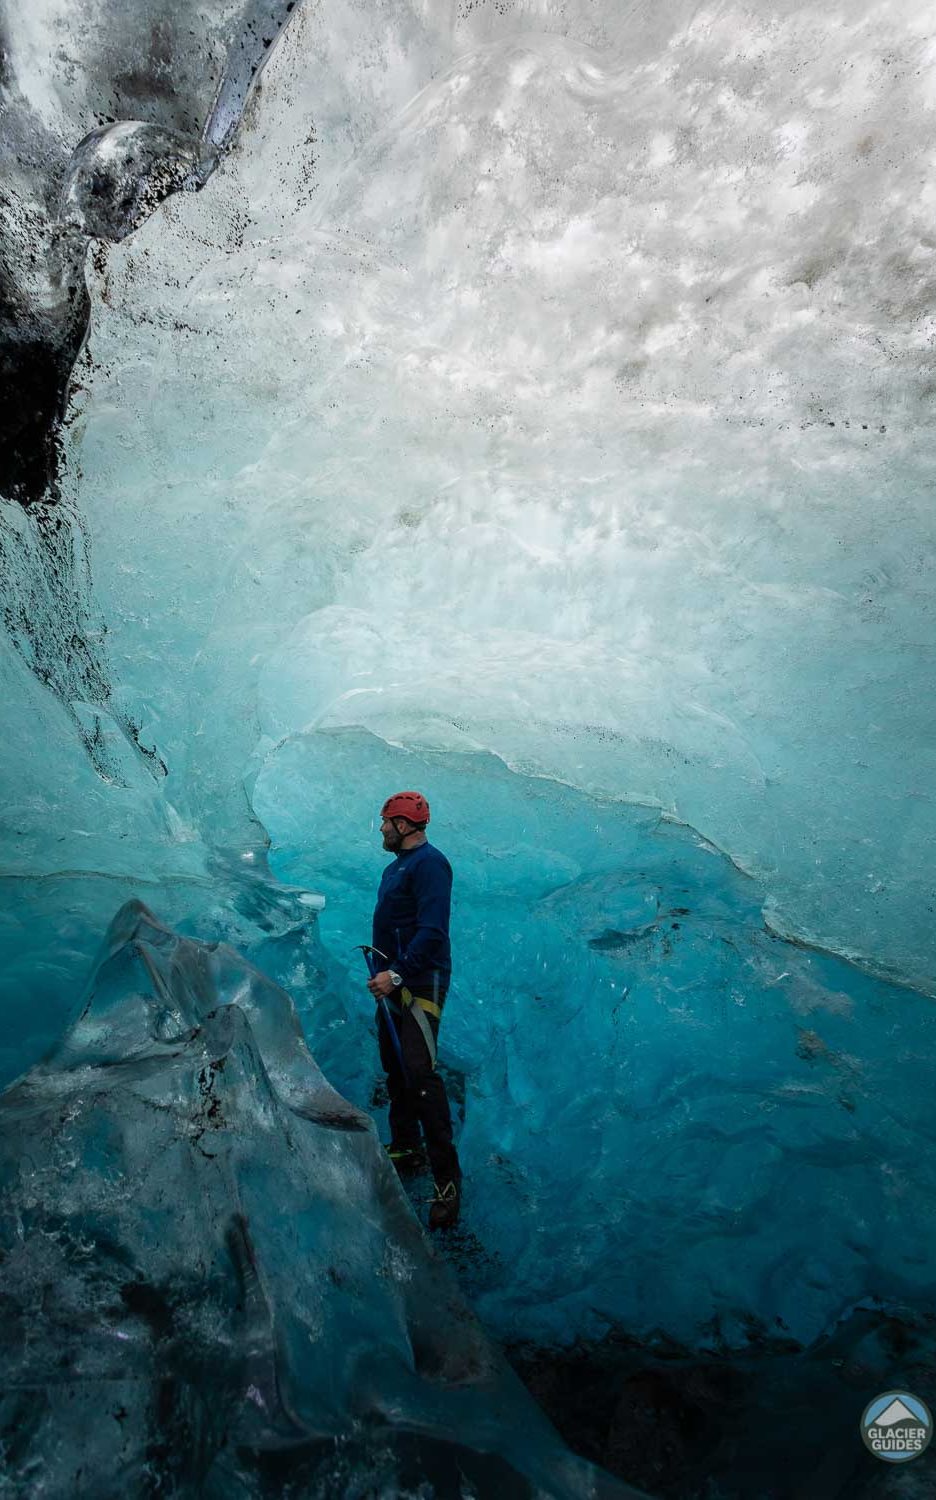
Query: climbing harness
[420, 1008]
[418, 1004]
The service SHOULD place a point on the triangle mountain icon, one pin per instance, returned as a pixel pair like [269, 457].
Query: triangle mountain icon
[896, 1412]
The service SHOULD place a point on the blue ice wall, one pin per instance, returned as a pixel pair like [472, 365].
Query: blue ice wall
[673, 1119]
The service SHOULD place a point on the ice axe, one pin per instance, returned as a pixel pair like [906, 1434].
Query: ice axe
[371, 956]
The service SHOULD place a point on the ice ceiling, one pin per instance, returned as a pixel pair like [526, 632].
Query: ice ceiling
[534, 405]
[541, 379]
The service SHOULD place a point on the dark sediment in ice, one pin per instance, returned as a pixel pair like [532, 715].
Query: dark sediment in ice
[688, 1425]
[164, 114]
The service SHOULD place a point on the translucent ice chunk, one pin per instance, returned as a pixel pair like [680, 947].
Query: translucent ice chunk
[208, 1261]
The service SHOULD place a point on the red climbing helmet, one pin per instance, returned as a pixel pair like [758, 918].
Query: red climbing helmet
[411, 805]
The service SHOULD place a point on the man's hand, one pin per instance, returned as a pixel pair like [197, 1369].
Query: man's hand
[381, 985]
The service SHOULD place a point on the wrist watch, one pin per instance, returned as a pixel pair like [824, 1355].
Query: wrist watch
[395, 977]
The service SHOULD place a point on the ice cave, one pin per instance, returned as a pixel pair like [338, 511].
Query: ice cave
[530, 402]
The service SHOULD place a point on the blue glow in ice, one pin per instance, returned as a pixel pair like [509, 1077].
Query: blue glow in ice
[535, 408]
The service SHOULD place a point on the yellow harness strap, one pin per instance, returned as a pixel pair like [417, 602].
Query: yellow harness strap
[429, 1005]
[419, 1004]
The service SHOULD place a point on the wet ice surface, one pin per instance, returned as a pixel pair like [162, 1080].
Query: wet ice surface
[211, 1281]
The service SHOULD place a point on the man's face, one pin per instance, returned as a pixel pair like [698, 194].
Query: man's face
[392, 836]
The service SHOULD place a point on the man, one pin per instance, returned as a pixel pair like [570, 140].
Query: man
[411, 931]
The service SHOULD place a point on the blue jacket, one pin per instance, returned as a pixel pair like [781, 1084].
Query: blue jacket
[411, 920]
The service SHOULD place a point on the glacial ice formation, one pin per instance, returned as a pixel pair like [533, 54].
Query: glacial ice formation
[145, 75]
[737, 1120]
[209, 1264]
[599, 349]
[535, 407]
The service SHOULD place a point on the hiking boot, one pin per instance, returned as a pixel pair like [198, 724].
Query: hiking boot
[445, 1206]
[410, 1161]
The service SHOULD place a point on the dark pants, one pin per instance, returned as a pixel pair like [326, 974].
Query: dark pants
[423, 1100]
